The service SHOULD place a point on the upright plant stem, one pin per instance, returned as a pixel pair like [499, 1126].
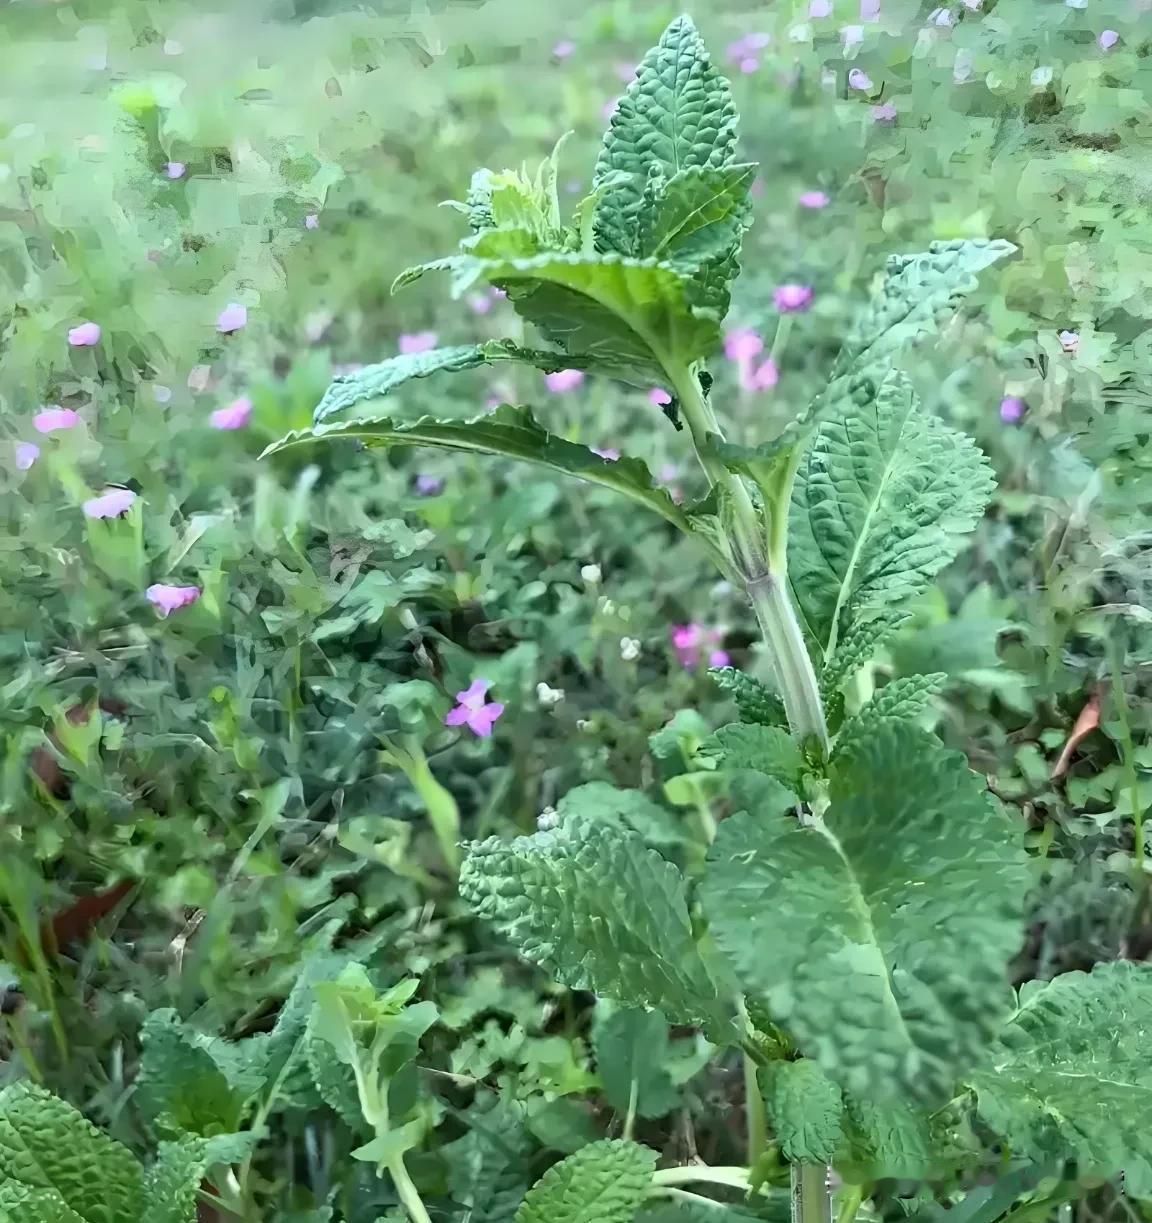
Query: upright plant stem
[811, 1201]
[409, 1195]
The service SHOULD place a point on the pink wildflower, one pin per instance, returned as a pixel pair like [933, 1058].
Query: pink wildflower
[312, 221]
[792, 298]
[1107, 40]
[235, 416]
[859, 79]
[1070, 341]
[428, 485]
[564, 380]
[814, 200]
[473, 711]
[167, 599]
[689, 640]
[719, 658]
[762, 377]
[175, 169]
[742, 344]
[563, 49]
[480, 303]
[232, 318]
[50, 420]
[110, 504]
[84, 336]
[884, 113]
[26, 454]
[1012, 410]
[658, 397]
[417, 341]
[749, 64]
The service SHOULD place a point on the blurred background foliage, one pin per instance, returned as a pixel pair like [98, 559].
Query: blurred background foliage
[161, 161]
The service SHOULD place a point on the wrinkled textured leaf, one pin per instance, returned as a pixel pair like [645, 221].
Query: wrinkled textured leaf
[605, 1182]
[623, 315]
[755, 701]
[885, 1138]
[882, 501]
[180, 1083]
[677, 113]
[903, 700]
[698, 215]
[171, 1182]
[1071, 1078]
[631, 1047]
[878, 938]
[47, 1145]
[508, 432]
[376, 381]
[764, 749]
[598, 909]
[599, 802]
[487, 1168]
[806, 1109]
[859, 645]
[19, 1204]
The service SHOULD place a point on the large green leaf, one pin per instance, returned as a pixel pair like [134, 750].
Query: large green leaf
[676, 114]
[879, 936]
[48, 1147]
[511, 433]
[628, 317]
[376, 381]
[882, 501]
[1072, 1079]
[631, 1046]
[592, 904]
[604, 1182]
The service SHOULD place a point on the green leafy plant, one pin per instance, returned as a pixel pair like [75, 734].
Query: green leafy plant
[851, 927]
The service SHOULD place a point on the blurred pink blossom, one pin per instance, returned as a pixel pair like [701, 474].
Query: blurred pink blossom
[51, 420]
[869, 10]
[236, 415]
[1107, 40]
[564, 380]
[853, 36]
[793, 298]
[742, 344]
[167, 599]
[1012, 409]
[859, 79]
[85, 335]
[175, 169]
[232, 318]
[884, 113]
[26, 454]
[564, 49]
[814, 199]
[659, 397]
[312, 221]
[417, 341]
[819, 8]
[689, 641]
[762, 377]
[719, 658]
[110, 504]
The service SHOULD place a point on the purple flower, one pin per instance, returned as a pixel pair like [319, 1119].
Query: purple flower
[473, 711]
[235, 416]
[608, 453]
[564, 380]
[175, 169]
[884, 113]
[690, 640]
[749, 64]
[793, 299]
[762, 377]
[1012, 410]
[232, 318]
[480, 303]
[417, 341]
[719, 658]
[167, 599]
[814, 200]
[658, 397]
[110, 504]
[745, 51]
[563, 49]
[429, 486]
[312, 221]
[859, 79]
[50, 420]
[1107, 40]
[742, 344]
[26, 454]
[84, 336]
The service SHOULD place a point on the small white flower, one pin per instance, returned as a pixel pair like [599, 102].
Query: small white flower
[591, 574]
[584, 724]
[548, 696]
[607, 607]
[629, 649]
[547, 819]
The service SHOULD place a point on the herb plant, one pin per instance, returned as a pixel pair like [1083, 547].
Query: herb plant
[850, 928]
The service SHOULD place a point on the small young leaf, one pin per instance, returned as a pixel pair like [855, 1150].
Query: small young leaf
[764, 749]
[806, 1109]
[882, 501]
[903, 700]
[1071, 1078]
[510, 433]
[170, 1183]
[49, 1147]
[879, 937]
[598, 909]
[631, 1047]
[677, 113]
[885, 1138]
[858, 646]
[755, 701]
[605, 1182]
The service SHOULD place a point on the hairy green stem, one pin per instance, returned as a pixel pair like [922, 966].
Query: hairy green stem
[755, 1111]
[734, 1178]
[811, 1201]
[409, 1194]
